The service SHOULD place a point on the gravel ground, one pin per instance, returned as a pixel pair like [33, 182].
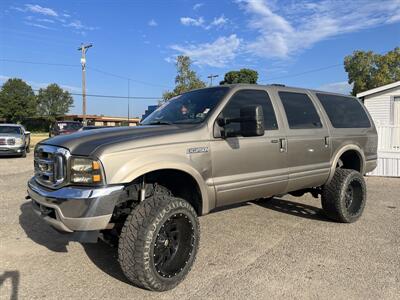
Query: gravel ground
[283, 248]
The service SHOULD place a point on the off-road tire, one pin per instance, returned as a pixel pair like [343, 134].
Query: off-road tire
[139, 238]
[336, 201]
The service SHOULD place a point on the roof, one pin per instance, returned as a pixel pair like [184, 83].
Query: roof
[379, 89]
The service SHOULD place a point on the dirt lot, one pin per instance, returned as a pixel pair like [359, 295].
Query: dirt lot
[284, 248]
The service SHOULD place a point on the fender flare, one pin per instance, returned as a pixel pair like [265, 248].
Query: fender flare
[339, 153]
[205, 194]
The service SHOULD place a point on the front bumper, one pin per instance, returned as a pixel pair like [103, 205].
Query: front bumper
[12, 150]
[71, 209]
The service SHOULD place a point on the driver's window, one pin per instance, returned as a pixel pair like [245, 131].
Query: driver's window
[245, 98]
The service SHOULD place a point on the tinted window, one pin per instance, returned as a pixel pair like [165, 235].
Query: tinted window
[189, 108]
[250, 97]
[344, 112]
[300, 111]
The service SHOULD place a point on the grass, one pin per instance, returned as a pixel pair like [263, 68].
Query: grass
[37, 137]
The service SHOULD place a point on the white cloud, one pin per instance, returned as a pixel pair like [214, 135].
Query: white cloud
[45, 21]
[341, 87]
[76, 24]
[286, 30]
[152, 22]
[199, 22]
[219, 21]
[187, 21]
[197, 6]
[37, 25]
[216, 54]
[41, 10]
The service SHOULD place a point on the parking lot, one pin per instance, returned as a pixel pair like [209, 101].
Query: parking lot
[284, 248]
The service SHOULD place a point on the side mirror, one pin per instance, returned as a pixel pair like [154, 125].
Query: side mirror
[27, 132]
[251, 120]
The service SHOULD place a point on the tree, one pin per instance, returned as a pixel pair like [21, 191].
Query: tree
[241, 76]
[53, 101]
[186, 79]
[368, 70]
[17, 100]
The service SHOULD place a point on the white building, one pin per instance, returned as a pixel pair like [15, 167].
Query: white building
[383, 103]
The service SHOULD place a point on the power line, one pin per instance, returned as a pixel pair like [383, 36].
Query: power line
[38, 63]
[108, 96]
[307, 72]
[88, 67]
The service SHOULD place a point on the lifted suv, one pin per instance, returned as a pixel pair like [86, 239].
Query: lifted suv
[144, 188]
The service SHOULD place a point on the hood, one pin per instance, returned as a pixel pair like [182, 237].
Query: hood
[10, 135]
[87, 142]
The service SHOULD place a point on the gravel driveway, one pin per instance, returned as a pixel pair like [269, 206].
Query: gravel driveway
[284, 248]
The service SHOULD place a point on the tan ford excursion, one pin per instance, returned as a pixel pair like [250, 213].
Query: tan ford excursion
[143, 188]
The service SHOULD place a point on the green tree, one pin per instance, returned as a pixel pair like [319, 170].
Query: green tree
[53, 101]
[186, 79]
[368, 70]
[241, 76]
[17, 100]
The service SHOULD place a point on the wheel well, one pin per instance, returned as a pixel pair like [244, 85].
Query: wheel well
[350, 159]
[181, 185]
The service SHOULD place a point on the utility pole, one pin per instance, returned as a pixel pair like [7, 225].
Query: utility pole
[129, 100]
[211, 76]
[83, 48]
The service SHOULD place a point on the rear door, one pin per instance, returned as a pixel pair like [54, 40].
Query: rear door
[308, 143]
[246, 168]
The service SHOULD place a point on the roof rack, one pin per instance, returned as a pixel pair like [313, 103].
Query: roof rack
[277, 84]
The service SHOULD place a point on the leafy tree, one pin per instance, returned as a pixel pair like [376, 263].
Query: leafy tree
[53, 101]
[17, 100]
[368, 70]
[186, 79]
[241, 76]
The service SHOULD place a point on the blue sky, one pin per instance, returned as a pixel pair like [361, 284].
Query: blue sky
[140, 40]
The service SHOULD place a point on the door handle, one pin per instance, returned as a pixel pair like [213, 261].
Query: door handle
[326, 140]
[282, 145]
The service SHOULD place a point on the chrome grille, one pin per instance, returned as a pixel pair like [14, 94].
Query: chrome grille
[7, 141]
[50, 165]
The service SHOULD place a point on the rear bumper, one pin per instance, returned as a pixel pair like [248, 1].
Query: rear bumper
[370, 165]
[71, 209]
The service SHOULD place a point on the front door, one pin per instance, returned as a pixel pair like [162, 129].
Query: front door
[247, 168]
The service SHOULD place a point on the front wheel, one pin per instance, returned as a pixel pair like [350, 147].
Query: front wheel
[159, 242]
[344, 198]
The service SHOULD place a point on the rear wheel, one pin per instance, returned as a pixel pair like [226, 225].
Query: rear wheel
[344, 198]
[159, 242]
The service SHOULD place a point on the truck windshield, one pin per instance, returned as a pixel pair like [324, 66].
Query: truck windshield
[189, 108]
[10, 129]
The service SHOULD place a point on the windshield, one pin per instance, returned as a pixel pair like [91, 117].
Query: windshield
[189, 108]
[10, 129]
[69, 126]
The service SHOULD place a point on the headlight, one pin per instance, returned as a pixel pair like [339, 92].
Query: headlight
[85, 170]
[18, 142]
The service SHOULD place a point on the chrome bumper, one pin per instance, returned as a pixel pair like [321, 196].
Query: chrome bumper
[72, 209]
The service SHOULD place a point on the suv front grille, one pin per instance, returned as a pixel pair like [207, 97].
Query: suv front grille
[50, 165]
[7, 141]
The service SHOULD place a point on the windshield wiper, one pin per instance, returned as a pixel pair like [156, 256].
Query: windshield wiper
[160, 123]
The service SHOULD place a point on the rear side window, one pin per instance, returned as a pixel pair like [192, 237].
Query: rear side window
[250, 97]
[344, 112]
[300, 111]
